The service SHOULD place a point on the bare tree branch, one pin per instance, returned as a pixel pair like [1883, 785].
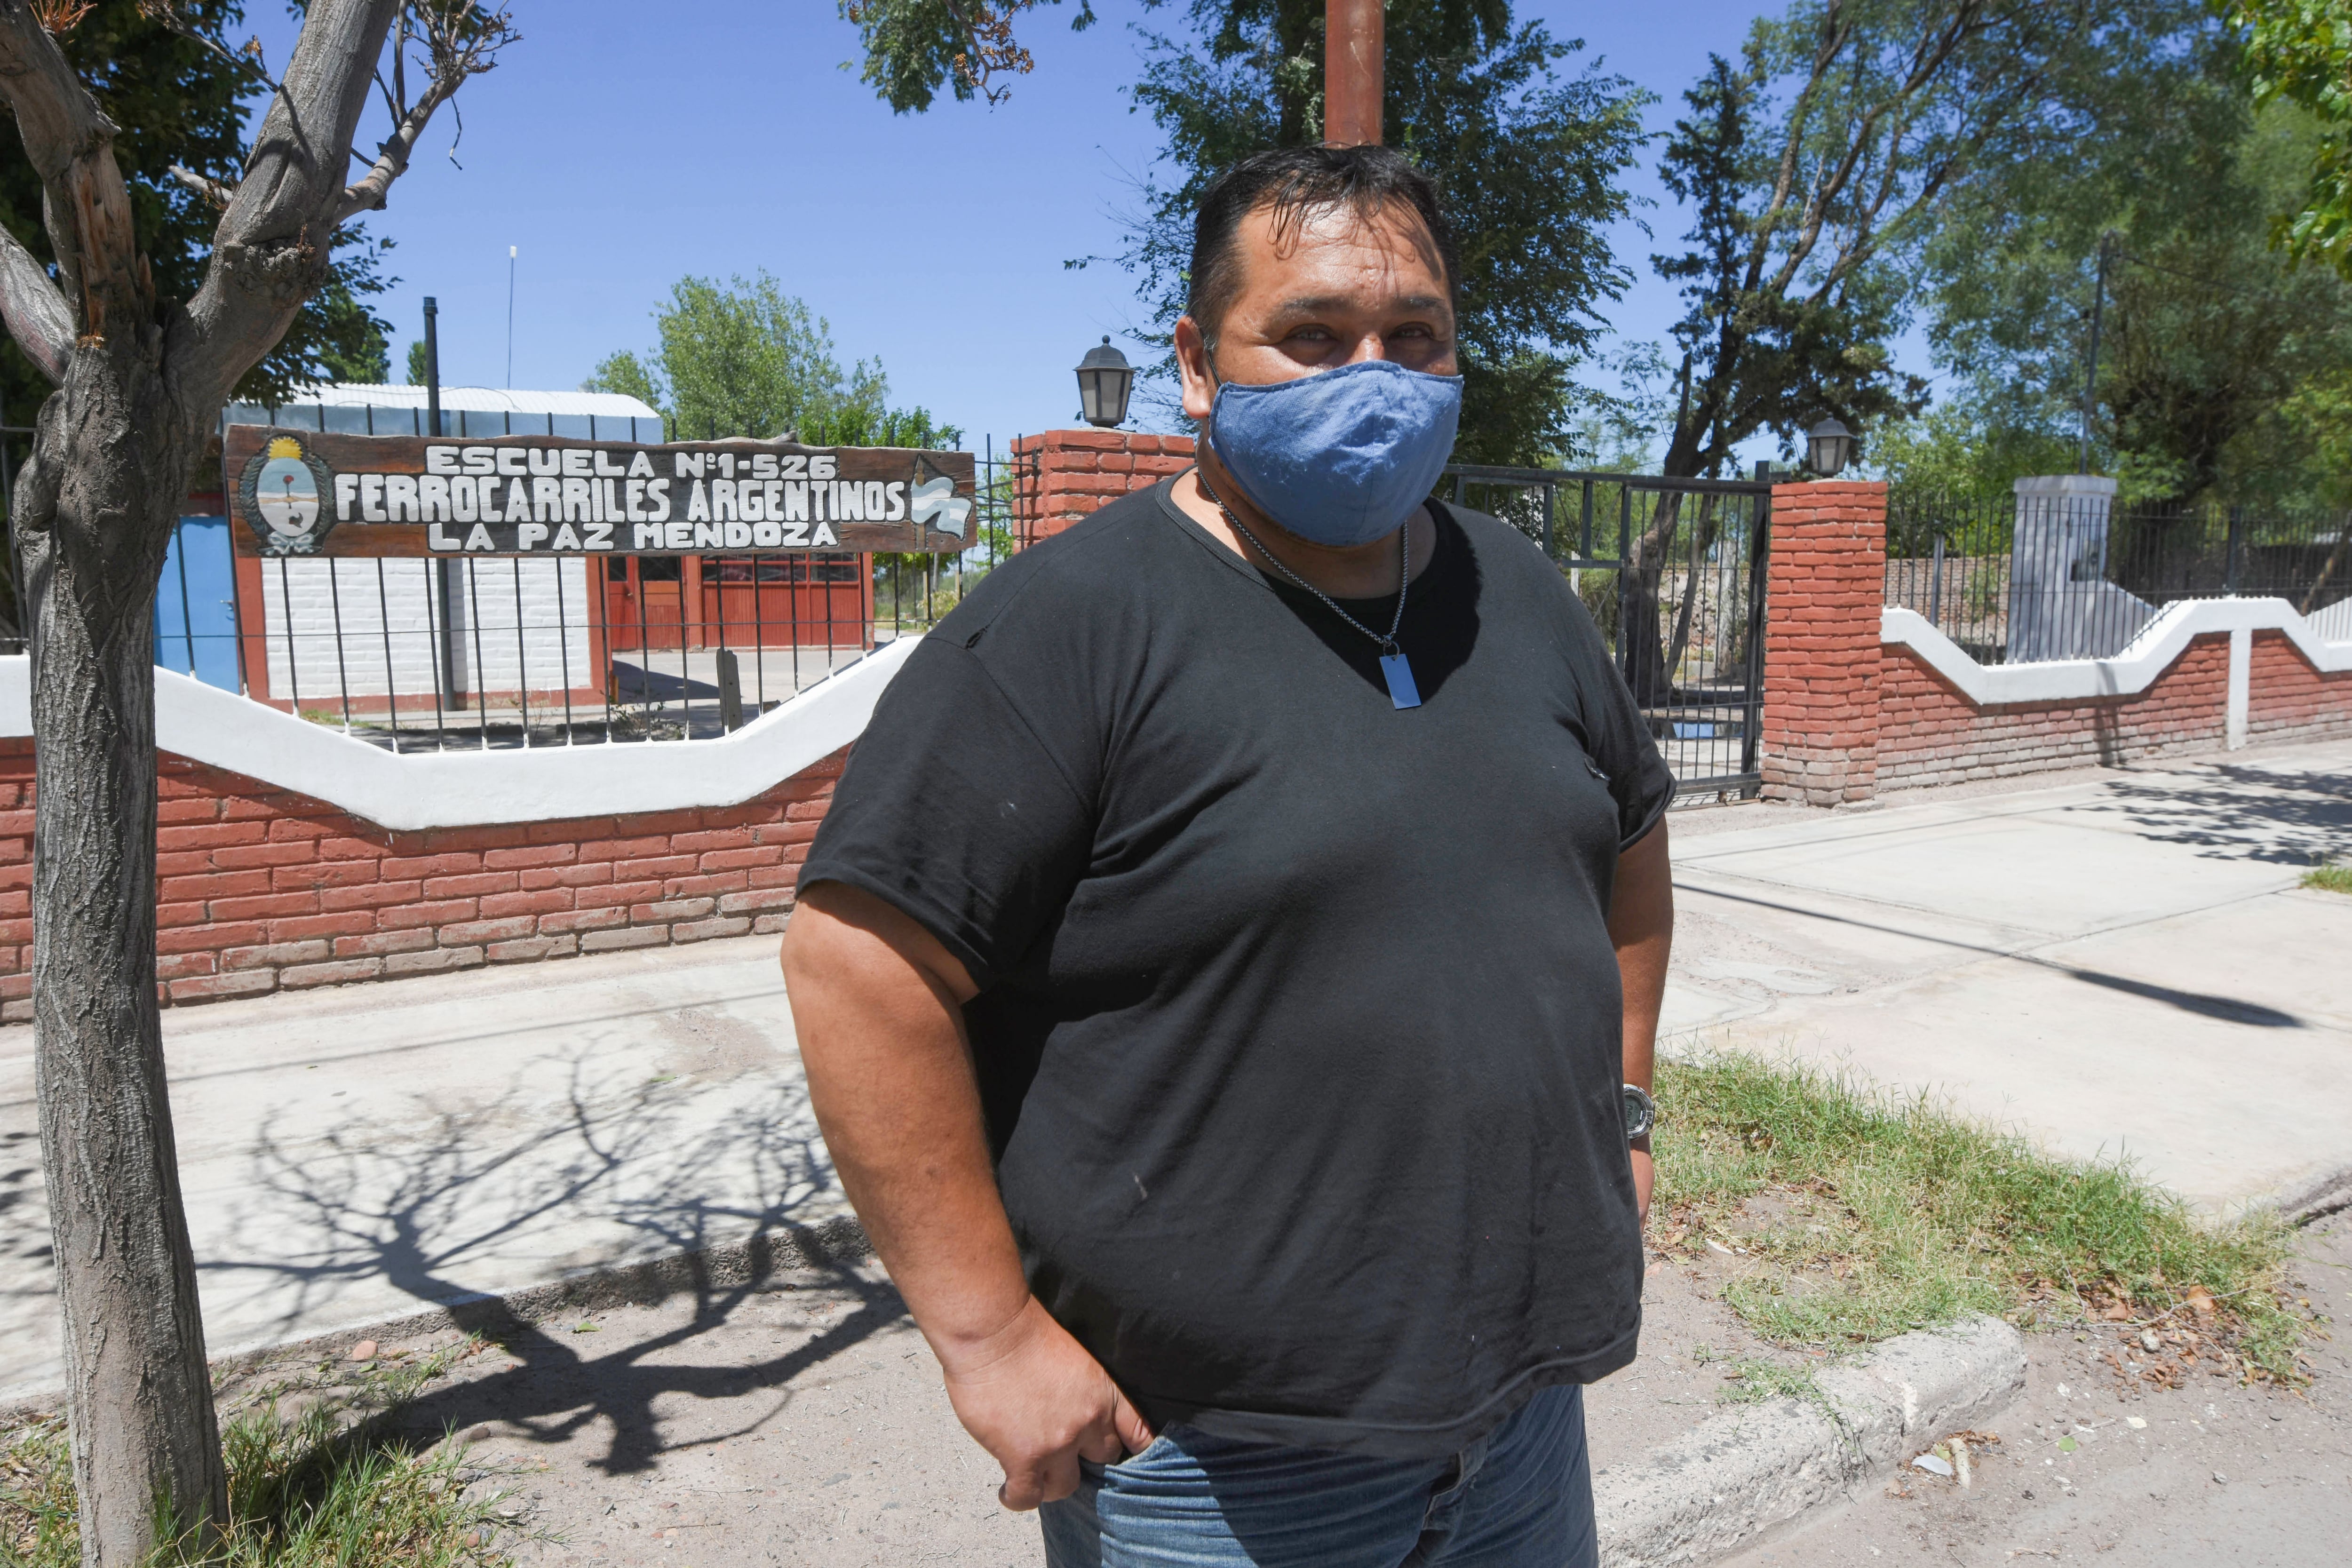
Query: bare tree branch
[36, 315]
[246, 61]
[271, 249]
[70, 145]
[217, 191]
[461, 41]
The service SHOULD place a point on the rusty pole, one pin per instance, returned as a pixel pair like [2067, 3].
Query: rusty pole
[1351, 73]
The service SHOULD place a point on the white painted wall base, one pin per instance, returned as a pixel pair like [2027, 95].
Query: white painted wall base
[474, 789]
[2241, 661]
[2132, 671]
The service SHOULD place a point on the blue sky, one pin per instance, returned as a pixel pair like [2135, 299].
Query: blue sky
[619, 146]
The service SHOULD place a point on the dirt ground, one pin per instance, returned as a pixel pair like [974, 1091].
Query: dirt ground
[803, 1423]
[2094, 1464]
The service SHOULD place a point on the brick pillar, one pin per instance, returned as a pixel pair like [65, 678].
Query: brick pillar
[1065, 474]
[1825, 590]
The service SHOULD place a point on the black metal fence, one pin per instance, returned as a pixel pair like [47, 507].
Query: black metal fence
[2019, 579]
[1672, 571]
[420, 655]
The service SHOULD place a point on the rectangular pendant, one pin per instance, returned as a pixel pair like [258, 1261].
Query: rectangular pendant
[1401, 690]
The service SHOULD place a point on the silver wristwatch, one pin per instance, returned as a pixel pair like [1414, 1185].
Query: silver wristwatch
[1641, 1112]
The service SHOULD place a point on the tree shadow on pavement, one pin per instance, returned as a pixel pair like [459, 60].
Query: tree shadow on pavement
[650, 1178]
[2232, 812]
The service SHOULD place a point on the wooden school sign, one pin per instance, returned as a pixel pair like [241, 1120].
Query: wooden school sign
[311, 493]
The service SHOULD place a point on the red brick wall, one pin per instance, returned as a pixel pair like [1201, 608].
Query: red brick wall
[2288, 699]
[1070, 473]
[1827, 576]
[262, 890]
[1928, 733]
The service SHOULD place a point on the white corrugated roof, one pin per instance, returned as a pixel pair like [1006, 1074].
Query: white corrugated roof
[489, 399]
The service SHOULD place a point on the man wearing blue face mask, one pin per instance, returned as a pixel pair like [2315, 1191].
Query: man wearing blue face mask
[1228, 971]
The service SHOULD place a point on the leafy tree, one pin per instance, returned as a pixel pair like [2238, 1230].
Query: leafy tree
[417, 369]
[1530, 160]
[2300, 52]
[1819, 162]
[747, 359]
[142, 360]
[915, 47]
[1815, 167]
[2215, 348]
[179, 105]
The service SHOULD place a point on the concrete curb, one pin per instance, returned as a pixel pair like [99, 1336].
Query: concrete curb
[1740, 1474]
[2317, 1198]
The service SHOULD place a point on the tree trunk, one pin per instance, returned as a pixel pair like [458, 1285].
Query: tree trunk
[95, 507]
[1638, 631]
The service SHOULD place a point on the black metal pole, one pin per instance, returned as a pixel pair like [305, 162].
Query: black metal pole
[445, 586]
[2091, 373]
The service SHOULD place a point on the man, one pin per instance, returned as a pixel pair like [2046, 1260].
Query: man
[1218, 968]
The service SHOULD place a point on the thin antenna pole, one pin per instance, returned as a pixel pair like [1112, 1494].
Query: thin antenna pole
[510, 297]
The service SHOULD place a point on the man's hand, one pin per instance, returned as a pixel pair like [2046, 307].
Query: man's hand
[1035, 1399]
[1645, 1174]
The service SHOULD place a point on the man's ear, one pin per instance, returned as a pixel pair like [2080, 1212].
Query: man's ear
[1193, 367]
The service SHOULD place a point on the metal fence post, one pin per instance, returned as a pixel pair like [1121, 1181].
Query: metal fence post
[2230, 568]
[1936, 586]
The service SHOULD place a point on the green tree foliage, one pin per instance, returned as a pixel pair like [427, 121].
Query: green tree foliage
[178, 103]
[416, 367]
[2300, 52]
[2225, 367]
[915, 47]
[747, 359]
[1529, 159]
[1819, 163]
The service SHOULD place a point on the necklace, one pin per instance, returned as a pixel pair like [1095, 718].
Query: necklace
[1394, 667]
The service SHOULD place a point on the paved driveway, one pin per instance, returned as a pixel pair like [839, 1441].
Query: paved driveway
[2120, 963]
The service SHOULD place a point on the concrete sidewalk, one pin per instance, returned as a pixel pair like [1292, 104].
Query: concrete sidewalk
[353, 1156]
[2117, 962]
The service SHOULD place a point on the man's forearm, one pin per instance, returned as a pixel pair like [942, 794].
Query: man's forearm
[1641, 929]
[878, 1005]
[890, 1078]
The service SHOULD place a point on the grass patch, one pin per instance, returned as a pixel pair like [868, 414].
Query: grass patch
[1874, 1215]
[1753, 1380]
[2329, 878]
[333, 1485]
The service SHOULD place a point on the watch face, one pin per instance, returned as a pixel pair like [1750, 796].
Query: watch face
[1641, 1114]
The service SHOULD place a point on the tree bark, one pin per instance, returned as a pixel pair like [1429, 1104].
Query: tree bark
[141, 384]
[94, 510]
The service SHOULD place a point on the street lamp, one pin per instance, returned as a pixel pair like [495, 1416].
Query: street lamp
[1828, 446]
[1104, 380]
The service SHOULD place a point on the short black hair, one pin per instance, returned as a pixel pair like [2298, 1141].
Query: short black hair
[1295, 181]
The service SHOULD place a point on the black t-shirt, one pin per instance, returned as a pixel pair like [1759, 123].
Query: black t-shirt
[1299, 1026]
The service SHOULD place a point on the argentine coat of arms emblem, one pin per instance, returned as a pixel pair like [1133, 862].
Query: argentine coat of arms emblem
[288, 497]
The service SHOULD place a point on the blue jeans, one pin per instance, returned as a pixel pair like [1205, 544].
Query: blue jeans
[1520, 1496]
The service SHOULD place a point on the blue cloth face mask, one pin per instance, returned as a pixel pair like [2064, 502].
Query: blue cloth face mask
[1342, 457]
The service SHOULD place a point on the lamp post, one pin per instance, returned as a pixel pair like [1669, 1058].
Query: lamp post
[1829, 447]
[1105, 378]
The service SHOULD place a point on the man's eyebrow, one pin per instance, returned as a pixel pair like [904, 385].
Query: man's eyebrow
[1316, 304]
